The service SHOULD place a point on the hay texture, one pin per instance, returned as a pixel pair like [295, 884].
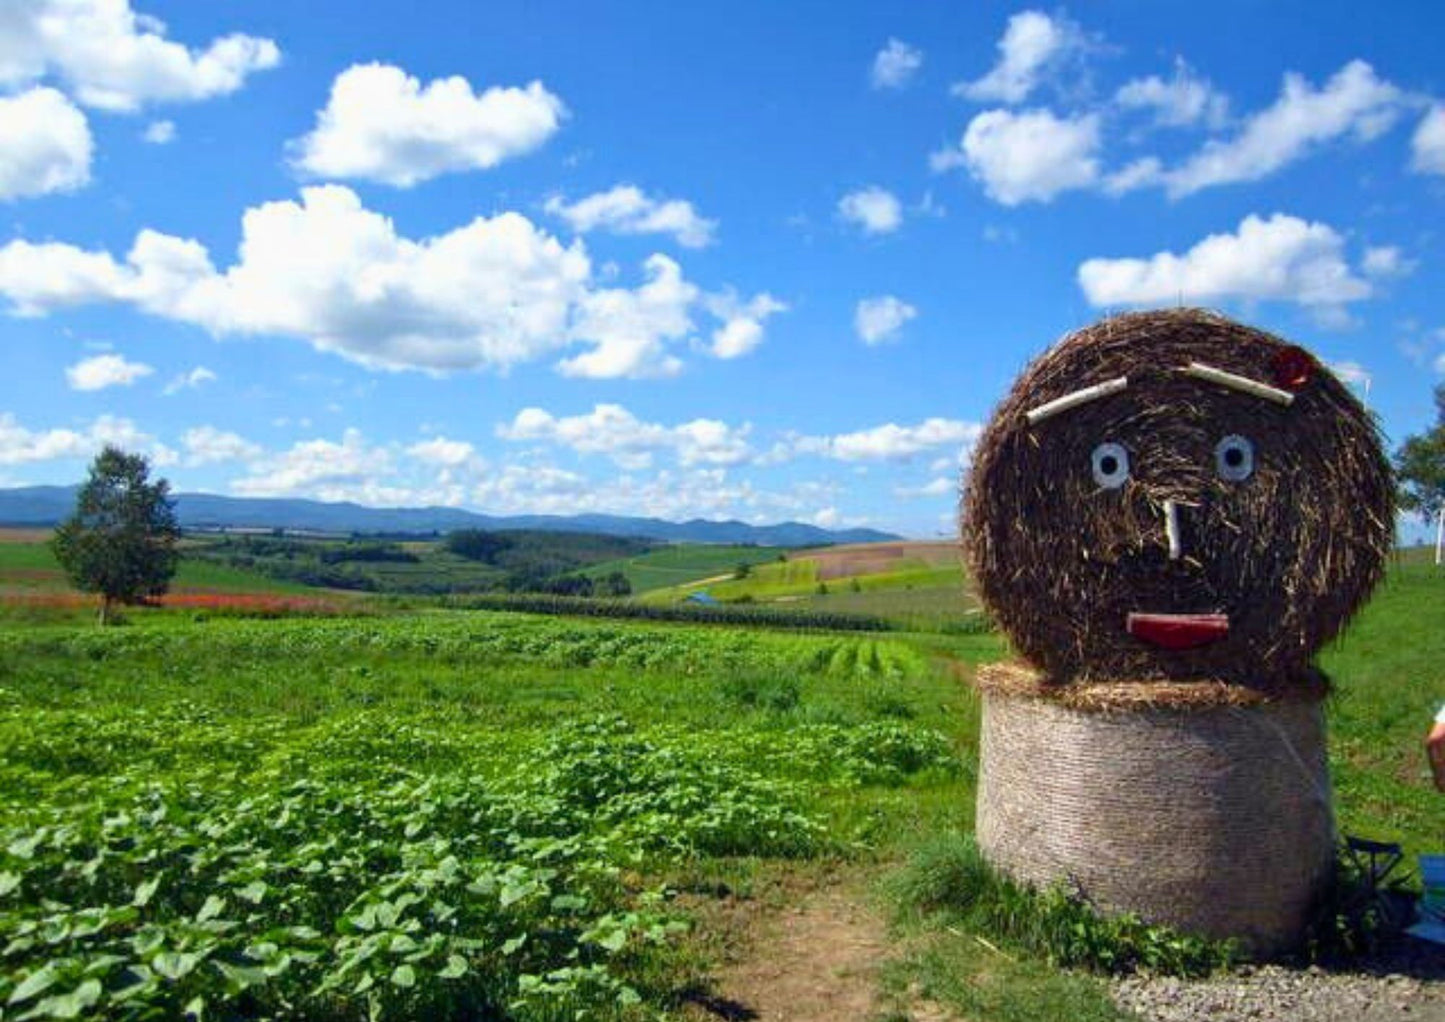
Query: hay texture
[1285, 533]
[1214, 820]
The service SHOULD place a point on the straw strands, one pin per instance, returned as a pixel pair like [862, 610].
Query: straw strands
[1282, 511]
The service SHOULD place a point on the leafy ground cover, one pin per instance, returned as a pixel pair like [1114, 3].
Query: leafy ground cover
[438, 815]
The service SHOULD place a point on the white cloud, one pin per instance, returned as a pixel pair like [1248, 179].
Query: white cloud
[879, 320]
[1027, 156]
[160, 132]
[1032, 45]
[889, 441]
[875, 210]
[895, 65]
[495, 292]
[207, 445]
[1384, 261]
[1145, 171]
[443, 452]
[1427, 145]
[1283, 258]
[1353, 102]
[630, 328]
[45, 145]
[19, 445]
[626, 210]
[322, 469]
[939, 486]
[381, 124]
[1183, 100]
[110, 57]
[613, 431]
[189, 381]
[742, 323]
[103, 371]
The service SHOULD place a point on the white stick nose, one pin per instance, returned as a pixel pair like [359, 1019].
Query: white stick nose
[1171, 529]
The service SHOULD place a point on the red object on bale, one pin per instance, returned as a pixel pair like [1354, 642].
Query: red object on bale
[1178, 631]
[1293, 368]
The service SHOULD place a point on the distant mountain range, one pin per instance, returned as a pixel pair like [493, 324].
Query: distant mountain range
[47, 505]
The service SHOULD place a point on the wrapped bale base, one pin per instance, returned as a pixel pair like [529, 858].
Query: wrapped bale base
[1211, 817]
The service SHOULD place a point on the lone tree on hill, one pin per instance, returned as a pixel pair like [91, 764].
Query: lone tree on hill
[120, 541]
[1420, 466]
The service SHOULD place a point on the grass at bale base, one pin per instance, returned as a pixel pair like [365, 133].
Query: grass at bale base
[375, 774]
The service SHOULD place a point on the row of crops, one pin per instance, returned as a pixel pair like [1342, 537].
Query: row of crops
[442, 816]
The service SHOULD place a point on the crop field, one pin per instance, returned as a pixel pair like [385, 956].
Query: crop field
[34, 589]
[684, 564]
[449, 814]
[442, 815]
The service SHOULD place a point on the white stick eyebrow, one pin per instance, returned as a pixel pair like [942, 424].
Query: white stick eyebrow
[1200, 371]
[1075, 398]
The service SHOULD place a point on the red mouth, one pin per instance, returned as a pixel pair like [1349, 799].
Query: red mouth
[1178, 631]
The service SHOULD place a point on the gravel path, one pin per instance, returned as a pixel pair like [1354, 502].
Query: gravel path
[1406, 984]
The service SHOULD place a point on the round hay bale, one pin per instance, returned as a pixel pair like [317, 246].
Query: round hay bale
[1213, 819]
[1205, 477]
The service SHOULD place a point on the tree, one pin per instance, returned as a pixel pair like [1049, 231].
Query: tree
[120, 541]
[1420, 467]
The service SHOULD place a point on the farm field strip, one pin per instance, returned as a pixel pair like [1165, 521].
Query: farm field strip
[439, 815]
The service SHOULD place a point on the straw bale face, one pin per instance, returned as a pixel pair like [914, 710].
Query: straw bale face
[1181, 525]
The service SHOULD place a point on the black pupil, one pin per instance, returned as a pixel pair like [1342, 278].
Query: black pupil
[1233, 457]
[1108, 464]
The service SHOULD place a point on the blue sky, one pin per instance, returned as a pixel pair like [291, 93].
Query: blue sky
[746, 260]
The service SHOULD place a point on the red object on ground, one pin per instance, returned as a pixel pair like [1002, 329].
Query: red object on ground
[1178, 631]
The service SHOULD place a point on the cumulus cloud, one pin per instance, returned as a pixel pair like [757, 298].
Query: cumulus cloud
[626, 210]
[742, 322]
[1282, 258]
[895, 65]
[45, 145]
[1029, 156]
[1353, 102]
[889, 441]
[613, 431]
[630, 328]
[110, 57]
[207, 445]
[1427, 145]
[382, 124]
[321, 468]
[1180, 101]
[443, 452]
[875, 210]
[159, 133]
[1033, 44]
[103, 371]
[492, 293]
[19, 445]
[190, 380]
[879, 320]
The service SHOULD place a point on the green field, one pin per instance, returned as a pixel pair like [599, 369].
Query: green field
[684, 564]
[467, 814]
[29, 566]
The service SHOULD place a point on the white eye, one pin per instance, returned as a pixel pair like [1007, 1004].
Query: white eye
[1111, 465]
[1234, 458]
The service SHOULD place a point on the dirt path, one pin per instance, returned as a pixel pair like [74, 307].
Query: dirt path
[815, 960]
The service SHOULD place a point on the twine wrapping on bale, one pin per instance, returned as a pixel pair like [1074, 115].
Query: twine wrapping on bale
[1285, 533]
[1213, 819]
